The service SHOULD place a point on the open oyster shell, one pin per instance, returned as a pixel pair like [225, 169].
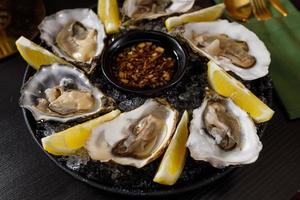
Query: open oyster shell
[230, 45]
[152, 9]
[76, 35]
[222, 134]
[39, 95]
[136, 137]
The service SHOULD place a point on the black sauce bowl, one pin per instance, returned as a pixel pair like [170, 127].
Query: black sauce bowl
[131, 38]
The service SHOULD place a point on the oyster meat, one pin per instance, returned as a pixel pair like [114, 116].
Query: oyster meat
[78, 41]
[65, 101]
[222, 134]
[136, 137]
[77, 35]
[224, 46]
[62, 93]
[231, 46]
[152, 9]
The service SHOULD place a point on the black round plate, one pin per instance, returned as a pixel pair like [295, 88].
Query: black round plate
[138, 182]
[126, 180]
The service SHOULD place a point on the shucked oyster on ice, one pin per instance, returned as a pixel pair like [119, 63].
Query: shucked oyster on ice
[136, 137]
[230, 45]
[65, 100]
[76, 35]
[62, 93]
[152, 9]
[78, 41]
[222, 134]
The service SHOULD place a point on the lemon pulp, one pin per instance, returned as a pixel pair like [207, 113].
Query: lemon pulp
[227, 86]
[206, 14]
[173, 160]
[108, 12]
[68, 141]
[36, 55]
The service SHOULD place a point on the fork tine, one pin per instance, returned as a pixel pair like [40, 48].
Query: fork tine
[265, 10]
[260, 9]
[8, 45]
[256, 9]
[2, 48]
[1, 52]
[5, 45]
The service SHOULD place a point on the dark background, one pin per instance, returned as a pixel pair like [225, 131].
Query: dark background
[27, 174]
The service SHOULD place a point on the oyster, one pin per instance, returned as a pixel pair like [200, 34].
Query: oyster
[62, 93]
[78, 41]
[76, 35]
[136, 137]
[222, 134]
[152, 9]
[231, 46]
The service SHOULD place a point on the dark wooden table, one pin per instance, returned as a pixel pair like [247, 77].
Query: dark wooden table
[27, 174]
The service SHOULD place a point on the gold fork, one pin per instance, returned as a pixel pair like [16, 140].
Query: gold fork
[260, 10]
[7, 47]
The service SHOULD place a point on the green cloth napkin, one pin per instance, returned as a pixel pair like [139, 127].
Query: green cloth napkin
[281, 35]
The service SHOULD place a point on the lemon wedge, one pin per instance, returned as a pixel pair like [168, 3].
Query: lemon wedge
[36, 55]
[68, 141]
[108, 12]
[206, 14]
[173, 161]
[227, 86]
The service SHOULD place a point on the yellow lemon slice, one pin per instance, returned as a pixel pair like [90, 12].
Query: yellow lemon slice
[108, 12]
[173, 161]
[227, 86]
[36, 55]
[207, 14]
[68, 141]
